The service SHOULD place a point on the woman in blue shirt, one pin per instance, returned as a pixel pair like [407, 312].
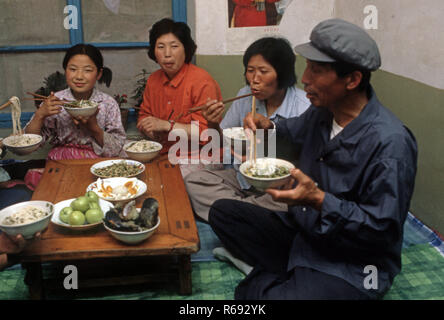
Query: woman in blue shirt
[270, 75]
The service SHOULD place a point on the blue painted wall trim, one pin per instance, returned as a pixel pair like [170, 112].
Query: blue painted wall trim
[6, 122]
[5, 118]
[76, 35]
[179, 10]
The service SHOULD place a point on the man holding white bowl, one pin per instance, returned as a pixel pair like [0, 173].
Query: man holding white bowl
[342, 235]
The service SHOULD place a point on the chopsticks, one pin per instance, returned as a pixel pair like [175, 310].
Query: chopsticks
[201, 107]
[253, 150]
[39, 97]
[5, 105]
[198, 108]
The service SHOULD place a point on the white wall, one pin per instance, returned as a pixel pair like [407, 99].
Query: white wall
[410, 33]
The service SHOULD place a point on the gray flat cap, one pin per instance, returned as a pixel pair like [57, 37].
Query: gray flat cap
[336, 39]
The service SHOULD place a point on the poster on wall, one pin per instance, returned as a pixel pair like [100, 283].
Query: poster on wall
[250, 19]
[255, 13]
[229, 26]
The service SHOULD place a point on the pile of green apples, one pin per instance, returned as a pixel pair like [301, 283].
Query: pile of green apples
[83, 210]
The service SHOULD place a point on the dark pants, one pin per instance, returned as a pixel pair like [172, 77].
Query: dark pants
[259, 237]
[16, 194]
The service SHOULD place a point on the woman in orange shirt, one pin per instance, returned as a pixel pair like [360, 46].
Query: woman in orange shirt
[178, 86]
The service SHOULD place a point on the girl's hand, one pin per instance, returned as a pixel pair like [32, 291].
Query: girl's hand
[213, 113]
[152, 126]
[50, 106]
[12, 245]
[89, 123]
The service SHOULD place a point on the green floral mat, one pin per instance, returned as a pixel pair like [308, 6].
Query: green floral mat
[422, 277]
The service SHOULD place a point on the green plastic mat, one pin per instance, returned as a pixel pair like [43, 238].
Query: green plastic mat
[421, 277]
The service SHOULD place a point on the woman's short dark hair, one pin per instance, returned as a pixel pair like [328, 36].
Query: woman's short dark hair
[95, 55]
[278, 53]
[179, 29]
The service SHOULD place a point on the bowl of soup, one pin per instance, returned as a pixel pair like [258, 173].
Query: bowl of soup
[265, 173]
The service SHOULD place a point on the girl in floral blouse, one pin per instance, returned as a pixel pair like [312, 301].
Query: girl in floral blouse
[100, 135]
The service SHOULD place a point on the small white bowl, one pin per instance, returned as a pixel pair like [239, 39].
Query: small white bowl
[135, 237]
[83, 112]
[114, 182]
[262, 184]
[27, 230]
[237, 139]
[21, 151]
[144, 156]
[104, 205]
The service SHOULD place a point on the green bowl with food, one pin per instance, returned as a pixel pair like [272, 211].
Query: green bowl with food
[117, 168]
[81, 108]
[265, 173]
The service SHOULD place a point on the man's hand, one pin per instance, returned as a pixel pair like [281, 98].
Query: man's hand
[305, 193]
[258, 122]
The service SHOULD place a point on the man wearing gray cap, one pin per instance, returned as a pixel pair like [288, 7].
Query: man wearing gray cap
[342, 235]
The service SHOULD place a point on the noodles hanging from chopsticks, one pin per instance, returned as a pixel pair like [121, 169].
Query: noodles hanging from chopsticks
[15, 115]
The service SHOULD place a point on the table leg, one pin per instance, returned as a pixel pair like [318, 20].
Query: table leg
[185, 282]
[34, 280]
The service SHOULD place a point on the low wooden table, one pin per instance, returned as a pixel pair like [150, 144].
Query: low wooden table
[95, 253]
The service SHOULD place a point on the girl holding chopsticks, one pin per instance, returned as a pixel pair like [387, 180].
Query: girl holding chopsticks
[100, 135]
[270, 75]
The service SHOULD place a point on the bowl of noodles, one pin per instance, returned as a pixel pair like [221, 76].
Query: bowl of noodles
[81, 108]
[26, 218]
[23, 144]
[266, 173]
[143, 150]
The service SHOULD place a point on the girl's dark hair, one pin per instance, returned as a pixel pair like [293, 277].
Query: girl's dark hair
[95, 55]
[179, 29]
[278, 53]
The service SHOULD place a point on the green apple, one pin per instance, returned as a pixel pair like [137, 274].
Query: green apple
[76, 218]
[94, 205]
[92, 196]
[80, 204]
[94, 215]
[65, 213]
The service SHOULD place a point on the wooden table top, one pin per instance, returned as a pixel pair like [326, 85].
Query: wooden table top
[177, 233]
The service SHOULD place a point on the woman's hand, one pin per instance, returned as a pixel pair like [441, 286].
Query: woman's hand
[213, 113]
[52, 105]
[153, 127]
